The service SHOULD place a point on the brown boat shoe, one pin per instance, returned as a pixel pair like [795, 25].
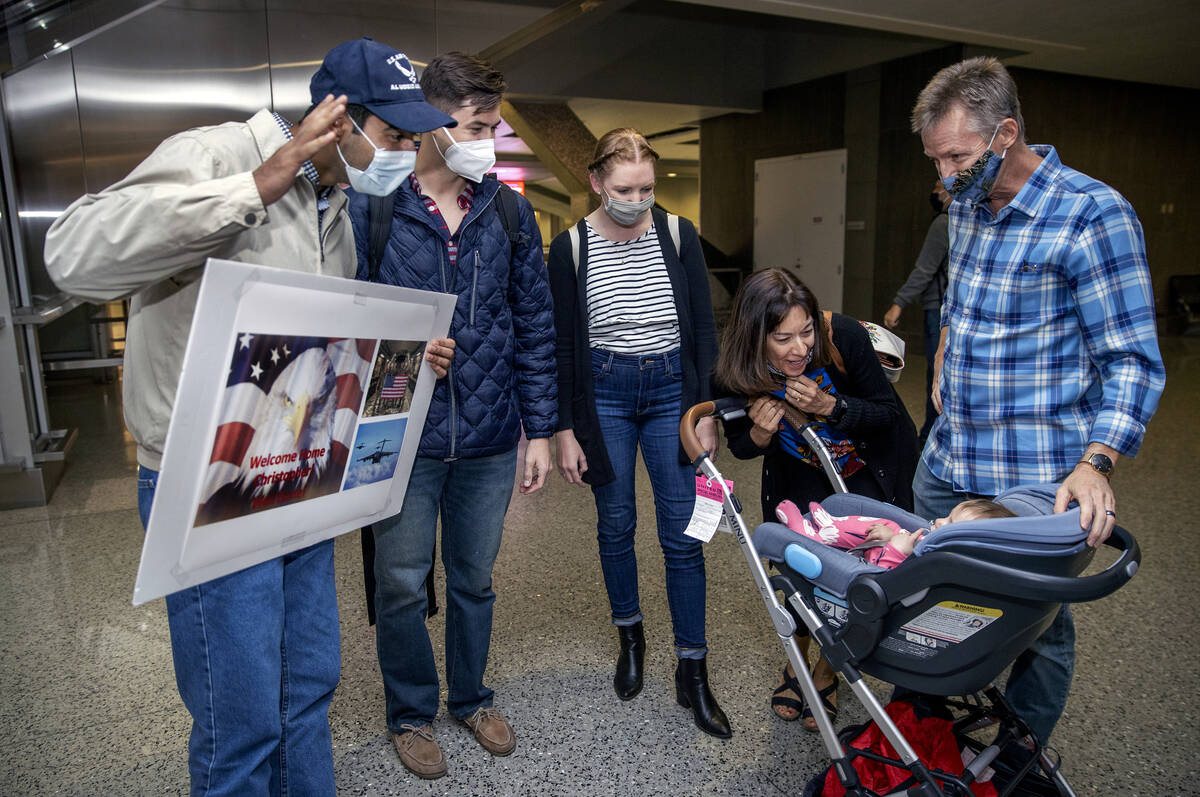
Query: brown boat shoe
[492, 731]
[419, 752]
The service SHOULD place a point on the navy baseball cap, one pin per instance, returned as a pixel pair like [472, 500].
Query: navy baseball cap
[381, 79]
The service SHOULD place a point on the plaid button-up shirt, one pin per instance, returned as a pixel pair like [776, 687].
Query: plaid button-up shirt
[1052, 341]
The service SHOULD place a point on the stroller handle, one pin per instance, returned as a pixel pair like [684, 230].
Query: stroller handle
[735, 407]
[723, 408]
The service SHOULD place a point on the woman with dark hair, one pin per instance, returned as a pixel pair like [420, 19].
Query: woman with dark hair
[636, 343]
[798, 364]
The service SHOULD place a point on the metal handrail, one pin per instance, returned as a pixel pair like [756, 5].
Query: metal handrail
[52, 308]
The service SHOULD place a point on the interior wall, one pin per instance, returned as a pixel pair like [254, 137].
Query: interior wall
[808, 117]
[680, 195]
[905, 178]
[862, 186]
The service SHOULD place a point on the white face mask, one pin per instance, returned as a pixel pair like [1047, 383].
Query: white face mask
[384, 173]
[469, 159]
[624, 212]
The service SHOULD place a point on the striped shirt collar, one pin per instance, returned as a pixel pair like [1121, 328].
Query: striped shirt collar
[465, 196]
[307, 167]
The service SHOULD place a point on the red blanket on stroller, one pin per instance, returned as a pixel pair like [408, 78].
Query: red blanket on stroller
[931, 738]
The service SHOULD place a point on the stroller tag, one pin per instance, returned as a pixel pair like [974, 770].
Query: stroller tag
[708, 514]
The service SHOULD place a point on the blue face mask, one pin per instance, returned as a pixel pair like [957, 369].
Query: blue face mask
[975, 183]
[384, 173]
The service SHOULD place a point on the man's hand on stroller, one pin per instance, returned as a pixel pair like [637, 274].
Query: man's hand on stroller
[1093, 493]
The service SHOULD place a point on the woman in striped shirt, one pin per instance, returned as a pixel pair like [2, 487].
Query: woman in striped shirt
[636, 344]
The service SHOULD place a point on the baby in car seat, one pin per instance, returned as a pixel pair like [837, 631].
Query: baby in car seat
[880, 541]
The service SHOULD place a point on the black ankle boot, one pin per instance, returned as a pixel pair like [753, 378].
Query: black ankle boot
[691, 690]
[628, 680]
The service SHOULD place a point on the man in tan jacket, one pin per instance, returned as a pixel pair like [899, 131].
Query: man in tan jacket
[257, 653]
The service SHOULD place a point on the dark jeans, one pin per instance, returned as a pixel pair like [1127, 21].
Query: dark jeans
[471, 496]
[637, 400]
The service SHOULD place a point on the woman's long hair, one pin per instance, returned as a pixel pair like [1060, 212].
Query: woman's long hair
[761, 304]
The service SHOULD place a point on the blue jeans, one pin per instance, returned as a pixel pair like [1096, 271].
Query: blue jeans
[637, 400]
[257, 657]
[472, 496]
[1041, 676]
[934, 498]
[932, 335]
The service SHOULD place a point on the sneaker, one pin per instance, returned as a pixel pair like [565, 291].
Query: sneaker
[492, 731]
[419, 752]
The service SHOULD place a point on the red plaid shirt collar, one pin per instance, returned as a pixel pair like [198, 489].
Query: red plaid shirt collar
[465, 197]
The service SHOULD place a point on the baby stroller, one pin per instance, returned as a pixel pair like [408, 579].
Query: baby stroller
[945, 622]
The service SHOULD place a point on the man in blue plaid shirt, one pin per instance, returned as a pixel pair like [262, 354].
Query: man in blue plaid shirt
[1048, 368]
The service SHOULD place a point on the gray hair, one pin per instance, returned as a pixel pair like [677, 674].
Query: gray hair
[982, 86]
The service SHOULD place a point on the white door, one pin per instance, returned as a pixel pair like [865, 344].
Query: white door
[800, 219]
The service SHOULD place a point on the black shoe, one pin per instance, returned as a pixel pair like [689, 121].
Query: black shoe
[628, 680]
[691, 690]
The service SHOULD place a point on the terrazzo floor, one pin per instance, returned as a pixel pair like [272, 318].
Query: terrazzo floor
[89, 705]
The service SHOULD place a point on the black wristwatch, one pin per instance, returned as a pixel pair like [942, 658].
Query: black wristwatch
[839, 412]
[1100, 463]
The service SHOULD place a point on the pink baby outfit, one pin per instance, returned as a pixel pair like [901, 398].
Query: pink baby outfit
[840, 532]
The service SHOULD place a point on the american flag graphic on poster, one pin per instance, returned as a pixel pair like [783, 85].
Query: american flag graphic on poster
[288, 417]
[394, 386]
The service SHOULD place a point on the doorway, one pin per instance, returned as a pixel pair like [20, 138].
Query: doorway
[800, 219]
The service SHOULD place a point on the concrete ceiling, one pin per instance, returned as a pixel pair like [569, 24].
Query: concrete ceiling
[662, 66]
[1147, 41]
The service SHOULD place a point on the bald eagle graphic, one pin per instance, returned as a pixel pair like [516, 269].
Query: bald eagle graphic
[289, 408]
[296, 416]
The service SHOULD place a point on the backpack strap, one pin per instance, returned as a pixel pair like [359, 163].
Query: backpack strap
[573, 232]
[510, 219]
[509, 213]
[834, 354]
[379, 226]
[673, 227]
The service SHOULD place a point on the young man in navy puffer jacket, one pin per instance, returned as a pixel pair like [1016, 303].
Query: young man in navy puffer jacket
[447, 236]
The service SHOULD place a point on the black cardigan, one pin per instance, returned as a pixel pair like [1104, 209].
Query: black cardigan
[697, 333]
[876, 421]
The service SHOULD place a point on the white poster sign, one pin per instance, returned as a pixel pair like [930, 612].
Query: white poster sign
[300, 406]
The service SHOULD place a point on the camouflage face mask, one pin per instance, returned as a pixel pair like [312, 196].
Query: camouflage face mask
[975, 183]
